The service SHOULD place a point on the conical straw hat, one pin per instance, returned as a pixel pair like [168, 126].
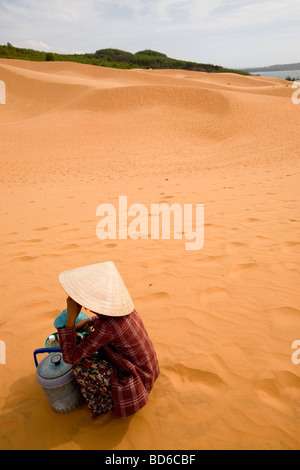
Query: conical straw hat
[99, 288]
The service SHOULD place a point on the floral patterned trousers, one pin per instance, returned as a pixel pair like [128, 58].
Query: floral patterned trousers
[93, 376]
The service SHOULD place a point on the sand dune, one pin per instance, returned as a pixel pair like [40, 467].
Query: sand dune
[223, 319]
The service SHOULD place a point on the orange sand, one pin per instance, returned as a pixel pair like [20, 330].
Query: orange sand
[223, 318]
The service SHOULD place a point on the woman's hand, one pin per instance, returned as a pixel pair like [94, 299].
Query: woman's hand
[73, 310]
[83, 324]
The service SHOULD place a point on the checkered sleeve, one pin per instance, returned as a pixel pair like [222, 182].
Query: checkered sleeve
[75, 349]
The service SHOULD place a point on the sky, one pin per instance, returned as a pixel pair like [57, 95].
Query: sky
[230, 33]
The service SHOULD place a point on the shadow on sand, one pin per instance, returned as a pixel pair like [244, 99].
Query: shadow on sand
[28, 422]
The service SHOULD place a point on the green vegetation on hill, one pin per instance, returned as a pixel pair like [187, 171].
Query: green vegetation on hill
[114, 58]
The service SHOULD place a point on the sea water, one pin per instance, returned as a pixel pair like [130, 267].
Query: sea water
[294, 74]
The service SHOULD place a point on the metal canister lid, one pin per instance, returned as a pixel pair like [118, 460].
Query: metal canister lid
[53, 366]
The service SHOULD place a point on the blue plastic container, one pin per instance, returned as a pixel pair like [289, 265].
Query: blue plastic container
[57, 381]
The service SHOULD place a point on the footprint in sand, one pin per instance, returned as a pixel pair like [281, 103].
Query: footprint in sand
[159, 297]
[282, 321]
[86, 221]
[70, 246]
[199, 373]
[247, 271]
[25, 258]
[290, 247]
[212, 296]
[281, 392]
[40, 229]
[251, 220]
[233, 248]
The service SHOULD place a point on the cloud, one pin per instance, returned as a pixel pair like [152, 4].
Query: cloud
[36, 45]
[185, 13]
[257, 12]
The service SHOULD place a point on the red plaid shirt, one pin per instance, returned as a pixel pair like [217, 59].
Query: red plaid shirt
[129, 351]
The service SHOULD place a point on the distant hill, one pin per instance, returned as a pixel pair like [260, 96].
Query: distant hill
[274, 68]
[114, 58]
